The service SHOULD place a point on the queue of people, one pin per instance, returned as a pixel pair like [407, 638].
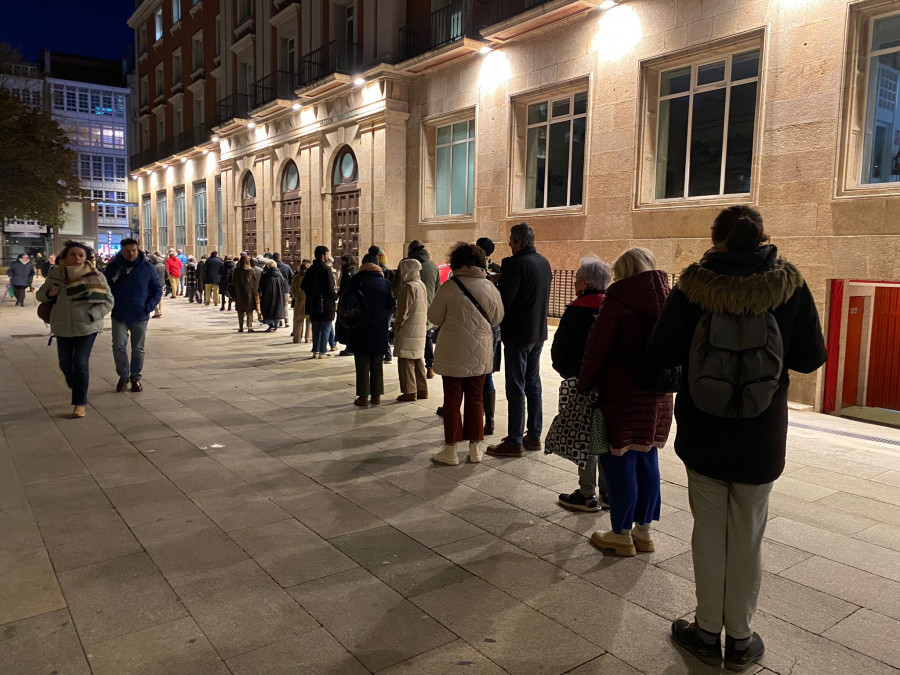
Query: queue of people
[723, 339]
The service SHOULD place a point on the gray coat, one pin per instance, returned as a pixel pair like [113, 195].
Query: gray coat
[20, 274]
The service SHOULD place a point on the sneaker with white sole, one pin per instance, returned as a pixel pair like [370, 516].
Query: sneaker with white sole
[579, 502]
[446, 455]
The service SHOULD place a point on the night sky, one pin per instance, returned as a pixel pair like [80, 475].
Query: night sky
[86, 28]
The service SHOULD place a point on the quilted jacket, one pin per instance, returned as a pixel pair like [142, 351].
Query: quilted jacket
[412, 306]
[465, 346]
[635, 419]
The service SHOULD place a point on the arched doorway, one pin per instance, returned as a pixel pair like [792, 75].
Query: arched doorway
[345, 205]
[248, 215]
[290, 215]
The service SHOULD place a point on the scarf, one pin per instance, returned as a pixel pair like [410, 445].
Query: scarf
[84, 284]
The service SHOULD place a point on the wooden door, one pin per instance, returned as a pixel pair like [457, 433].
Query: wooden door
[883, 390]
[853, 351]
[248, 226]
[290, 232]
[345, 222]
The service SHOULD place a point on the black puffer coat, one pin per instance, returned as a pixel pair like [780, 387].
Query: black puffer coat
[738, 450]
[226, 277]
[372, 336]
[571, 334]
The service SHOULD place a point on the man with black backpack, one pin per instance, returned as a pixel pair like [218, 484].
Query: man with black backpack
[736, 322]
[318, 284]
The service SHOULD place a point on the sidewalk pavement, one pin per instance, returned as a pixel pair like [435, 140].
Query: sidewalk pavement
[240, 515]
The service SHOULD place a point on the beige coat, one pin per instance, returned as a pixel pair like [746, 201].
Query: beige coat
[412, 307]
[465, 346]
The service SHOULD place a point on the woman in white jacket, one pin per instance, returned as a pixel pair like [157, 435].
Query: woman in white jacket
[466, 308]
[409, 332]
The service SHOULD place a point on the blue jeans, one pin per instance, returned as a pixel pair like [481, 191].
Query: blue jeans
[74, 362]
[320, 331]
[523, 382]
[633, 483]
[120, 348]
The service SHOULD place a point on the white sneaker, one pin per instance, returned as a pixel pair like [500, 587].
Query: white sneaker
[447, 455]
[476, 451]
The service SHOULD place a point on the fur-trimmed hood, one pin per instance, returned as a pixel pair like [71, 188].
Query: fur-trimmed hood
[740, 283]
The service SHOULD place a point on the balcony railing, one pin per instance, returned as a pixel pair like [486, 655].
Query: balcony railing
[235, 106]
[457, 20]
[500, 10]
[337, 56]
[279, 84]
[171, 146]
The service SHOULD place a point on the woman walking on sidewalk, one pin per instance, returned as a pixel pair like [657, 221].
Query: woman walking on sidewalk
[81, 298]
[21, 274]
[466, 308]
[732, 454]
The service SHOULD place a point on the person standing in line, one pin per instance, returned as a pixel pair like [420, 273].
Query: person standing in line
[212, 277]
[81, 298]
[272, 289]
[245, 291]
[318, 284]
[368, 341]
[137, 291]
[302, 324]
[226, 278]
[201, 275]
[183, 259]
[567, 352]
[410, 326]
[332, 332]
[21, 274]
[173, 269]
[348, 269]
[466, 308]
[489, 398]
[524, 285]
[288, 274]
[190, 276]
[733, 460]
[160, 267]
[431, 278]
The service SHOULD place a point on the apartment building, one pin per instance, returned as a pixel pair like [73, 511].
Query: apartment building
[603, 124]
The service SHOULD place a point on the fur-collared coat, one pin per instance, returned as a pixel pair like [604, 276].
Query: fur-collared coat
[738, 450]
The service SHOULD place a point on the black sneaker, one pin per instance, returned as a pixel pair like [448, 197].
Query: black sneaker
[738, 659]
[578, 502]
[604, 501]
[685, 634]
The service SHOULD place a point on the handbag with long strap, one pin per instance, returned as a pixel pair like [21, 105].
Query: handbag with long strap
[472, 298]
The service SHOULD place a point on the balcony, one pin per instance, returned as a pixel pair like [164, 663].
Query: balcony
[508, 19]
[446, 34]
[186, 140]
[232, 111]
[274, 92]
[329, 66]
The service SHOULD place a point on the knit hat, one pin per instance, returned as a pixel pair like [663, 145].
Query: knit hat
[485, 245]
[371, 258]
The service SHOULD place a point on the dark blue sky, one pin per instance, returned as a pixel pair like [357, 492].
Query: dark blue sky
[74, 26]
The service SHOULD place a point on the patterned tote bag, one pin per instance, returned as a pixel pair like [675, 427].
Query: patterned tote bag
[578, 430]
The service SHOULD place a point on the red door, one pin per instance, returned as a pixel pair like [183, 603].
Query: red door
[854, 349]
[883, 389]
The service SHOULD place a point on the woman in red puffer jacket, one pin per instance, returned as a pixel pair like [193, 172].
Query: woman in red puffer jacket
[637, 421]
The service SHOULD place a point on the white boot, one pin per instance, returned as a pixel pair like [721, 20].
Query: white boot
[447, 455]
[643, 539]
[476, 452]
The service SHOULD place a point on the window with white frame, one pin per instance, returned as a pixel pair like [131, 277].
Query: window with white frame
[176, 11]
[881, 150]
[200, 226]
[145, 90]
[705, 127]
[160, 129]
[454, 180]
[148, 225]
[199, 112]
[158, 24]
[176, 67]
[197, 50]
[162, 221]
[160, 73]
[555, 148]
[178, 203]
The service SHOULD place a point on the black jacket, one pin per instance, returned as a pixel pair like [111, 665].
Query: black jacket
[571, 334]
[226, 276]
[272, 289]
[318, 284]
[212, 271]
[525, 289]
[372, 336]
[737, 450]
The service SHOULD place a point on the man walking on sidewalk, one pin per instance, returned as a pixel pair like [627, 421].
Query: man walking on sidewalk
[525, 288]
[136, 289]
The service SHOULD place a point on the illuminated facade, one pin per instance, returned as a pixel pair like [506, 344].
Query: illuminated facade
[605, 125]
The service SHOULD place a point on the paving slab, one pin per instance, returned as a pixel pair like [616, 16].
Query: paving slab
[315, 651]
[85, 538]
[869, 633]
[46, 643]
[238, 506]
[150, 501]
[456, 656]
[28, 585]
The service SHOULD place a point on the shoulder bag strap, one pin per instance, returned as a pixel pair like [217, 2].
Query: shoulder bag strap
[472, 298]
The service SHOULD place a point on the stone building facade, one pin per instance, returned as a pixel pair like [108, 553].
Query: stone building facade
[603, 125]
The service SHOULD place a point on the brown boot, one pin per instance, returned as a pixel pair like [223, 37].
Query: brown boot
[375, 400]
[506, 448]
[406, 397]
[362, 402]
[429, 373]
[422, 395]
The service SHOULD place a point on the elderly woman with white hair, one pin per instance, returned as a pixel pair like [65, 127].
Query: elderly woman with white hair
[591, 280]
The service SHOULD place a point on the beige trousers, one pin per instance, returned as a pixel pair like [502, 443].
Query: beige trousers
[302, 324]
[412, 376]
[729, 523]
[212, 292]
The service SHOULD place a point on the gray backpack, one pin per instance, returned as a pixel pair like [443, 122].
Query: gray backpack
[735, 364]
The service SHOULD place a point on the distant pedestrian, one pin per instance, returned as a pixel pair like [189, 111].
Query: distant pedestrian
[244, 290]
[302, 324]
[368, 341]
[318, 284]
[173, 269]
[226, 278]
[212, 277]
[137, 291]
[183, 259]
[431, 279]
[21, 274]
[189, 273]
[272, 289]
[348, 269]
[410, 326]
[48, 265]
[81, 298]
